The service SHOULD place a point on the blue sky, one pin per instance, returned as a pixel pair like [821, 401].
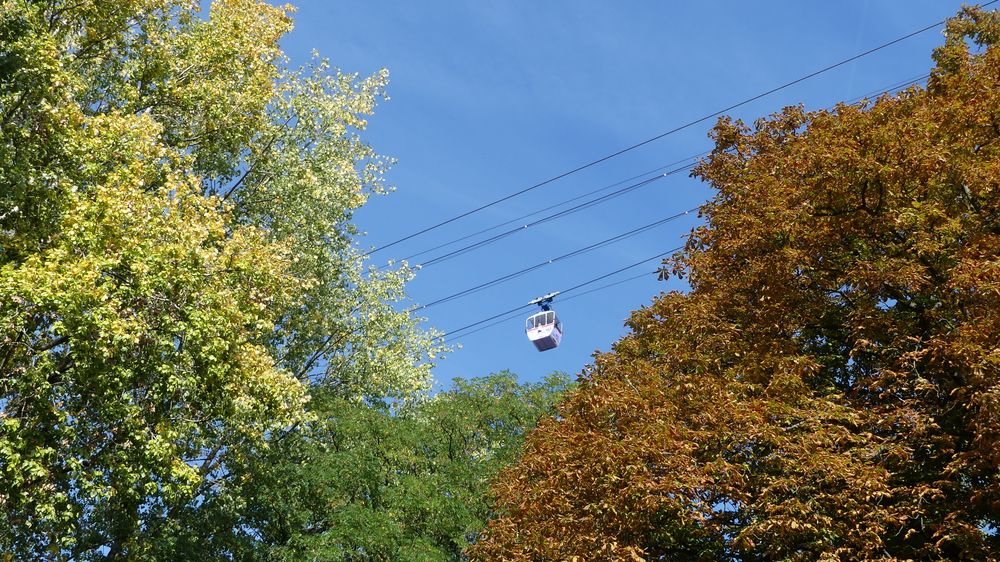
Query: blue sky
[489, 97]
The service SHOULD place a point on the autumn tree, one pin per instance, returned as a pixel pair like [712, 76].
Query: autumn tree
[178, 269]
[828, 389]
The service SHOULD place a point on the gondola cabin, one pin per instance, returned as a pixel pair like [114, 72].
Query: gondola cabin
[544, 330]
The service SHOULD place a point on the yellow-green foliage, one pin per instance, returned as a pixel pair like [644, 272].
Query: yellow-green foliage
[176, 268]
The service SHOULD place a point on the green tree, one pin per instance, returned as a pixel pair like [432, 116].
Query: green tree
[384, 482]
[828, 388]
[177, 269]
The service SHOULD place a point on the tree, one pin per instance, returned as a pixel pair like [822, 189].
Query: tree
[178, 269]
[385, 482]
[827, 389]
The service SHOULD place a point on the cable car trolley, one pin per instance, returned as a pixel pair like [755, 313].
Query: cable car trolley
[544, 328]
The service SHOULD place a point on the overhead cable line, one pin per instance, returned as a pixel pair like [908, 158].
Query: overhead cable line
[450, 334]
[446, 337]
[663, 134]
[619, 270]
[893, 88]
[577, 252]
[508, 316]
[555, 205]
[554, 216]
[609, 285]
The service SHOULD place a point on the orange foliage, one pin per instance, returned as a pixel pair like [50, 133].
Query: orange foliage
[829, 389]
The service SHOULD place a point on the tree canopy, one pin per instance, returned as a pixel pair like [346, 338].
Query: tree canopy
[178, 270]
[827, 390]
[393, 482]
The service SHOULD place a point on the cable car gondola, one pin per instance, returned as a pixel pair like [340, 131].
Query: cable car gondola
[544, 328]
